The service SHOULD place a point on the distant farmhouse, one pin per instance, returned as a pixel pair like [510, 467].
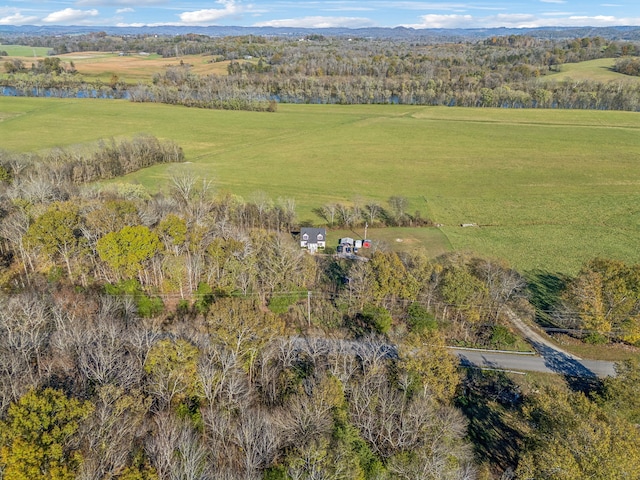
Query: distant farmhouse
[313, 239]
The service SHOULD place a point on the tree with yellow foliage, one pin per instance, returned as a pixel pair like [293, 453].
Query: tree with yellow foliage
[37, 436]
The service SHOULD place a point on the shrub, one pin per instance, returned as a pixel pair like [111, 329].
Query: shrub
[420, 319]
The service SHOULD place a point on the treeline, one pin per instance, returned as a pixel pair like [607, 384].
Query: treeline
[178, 86]
[372, 213]
[602, 303]
[62, 85]
[497, 72]
[84, 164]
[628, 66]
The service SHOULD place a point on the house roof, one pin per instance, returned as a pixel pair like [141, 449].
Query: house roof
[313, 233]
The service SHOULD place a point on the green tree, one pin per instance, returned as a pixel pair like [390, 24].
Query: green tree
[390, 278]
[126, 250]
[111, 216]
[463, 291]
[621, 393]
[429, 365]
[172, 367]
[243, 327]
[173, 231]
[36, 436]
[56, 233]
[419, 319]
[376, 319]
[572, 438]
[605, 295]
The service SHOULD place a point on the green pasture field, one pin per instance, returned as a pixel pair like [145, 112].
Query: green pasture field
[400, 239]
[600, 70]
[547, 189]
[23, 51]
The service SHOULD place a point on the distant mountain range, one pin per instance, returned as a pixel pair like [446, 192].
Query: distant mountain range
[612, 33]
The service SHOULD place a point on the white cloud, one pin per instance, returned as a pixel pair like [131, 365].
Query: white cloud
[212, 15]
[69, 15]
[553, 1]
[112, 3]
[136, 25]
[521, 20]
[423, 5]
[513, 19]
[319, 22]
[444, 21]
[580, 21]
[17, 19]
[125, 10]
[348, 9]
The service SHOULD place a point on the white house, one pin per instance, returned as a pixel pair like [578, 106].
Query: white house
[313, 239]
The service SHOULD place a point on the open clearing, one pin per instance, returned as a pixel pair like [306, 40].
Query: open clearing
[130, 68]
[548, 189]
[136, 67]
[23, 51]
[600, 70]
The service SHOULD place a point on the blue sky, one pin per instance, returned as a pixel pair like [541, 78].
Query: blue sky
[316, 14]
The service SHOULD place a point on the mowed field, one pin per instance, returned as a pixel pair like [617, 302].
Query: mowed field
[548, 189]
[138, 67]
[131, 68]
[24, 51]
[600, 70]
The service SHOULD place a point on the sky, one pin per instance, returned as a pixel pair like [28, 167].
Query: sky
[320, 14]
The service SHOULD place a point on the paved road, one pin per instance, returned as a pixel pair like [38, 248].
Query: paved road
[549, 361]
[550, 358]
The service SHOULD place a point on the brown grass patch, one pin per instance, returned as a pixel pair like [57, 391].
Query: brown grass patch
[138, 67]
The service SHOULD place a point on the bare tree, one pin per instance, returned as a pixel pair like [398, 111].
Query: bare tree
[109, 434]
[399, 206]
[26, 328]
[374, 210]
[258, 439]
[176, 451]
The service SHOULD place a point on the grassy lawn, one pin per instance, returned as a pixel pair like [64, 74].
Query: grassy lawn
[131, 69]
[22, 51]
[548, 189]
[614, 352]
[600, 70]
[136, 68]
[431, 239]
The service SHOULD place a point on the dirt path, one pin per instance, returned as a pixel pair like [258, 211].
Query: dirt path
[534, 338]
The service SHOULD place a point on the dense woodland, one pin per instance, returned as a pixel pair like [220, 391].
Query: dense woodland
[504, 72]
[187, 336]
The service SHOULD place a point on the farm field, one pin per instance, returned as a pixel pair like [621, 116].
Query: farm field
[547, 189]
[136, 68]
[130, 69]
[600, 70]
[24, 51]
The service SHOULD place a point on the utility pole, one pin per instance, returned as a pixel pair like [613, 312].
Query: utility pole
[366, 225]
[309, 308]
